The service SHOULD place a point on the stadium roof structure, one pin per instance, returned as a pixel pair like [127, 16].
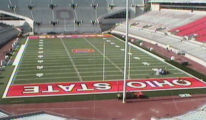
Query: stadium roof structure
[177, 1]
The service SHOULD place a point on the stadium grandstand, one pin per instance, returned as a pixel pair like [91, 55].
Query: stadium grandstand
[181, 29]
[102, 59]
[69, 16]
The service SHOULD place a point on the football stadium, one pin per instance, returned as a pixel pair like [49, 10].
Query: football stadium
[103, 60]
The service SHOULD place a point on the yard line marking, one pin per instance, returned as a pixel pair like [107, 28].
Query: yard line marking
[105, 56]
[62, 63]
[145, 63]
[33, 51]
[61, 56]
[87, 71]
[93, 65]
[90, 76]
[96, 70]
[76, 58]
[73, 64]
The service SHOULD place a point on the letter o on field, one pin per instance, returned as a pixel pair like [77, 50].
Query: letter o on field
[136, 84]
[184, 83]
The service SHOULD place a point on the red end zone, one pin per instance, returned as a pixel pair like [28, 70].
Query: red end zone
[77, 88]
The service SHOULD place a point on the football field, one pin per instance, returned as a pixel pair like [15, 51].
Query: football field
[85, 59]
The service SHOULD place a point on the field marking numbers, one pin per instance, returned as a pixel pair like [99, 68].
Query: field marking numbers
[39, 74]
[145, 63]
[39, 67]
[40, 61]
[40, 56]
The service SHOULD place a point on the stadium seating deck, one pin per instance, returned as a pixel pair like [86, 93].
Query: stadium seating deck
[63, 13]
[177, 43]
[187, 23]
[174, 19]
[196, 28]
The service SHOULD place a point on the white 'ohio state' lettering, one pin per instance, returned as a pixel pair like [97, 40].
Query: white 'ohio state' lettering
[184, 83]
[150, 83]
[102, 86]
[165, 82]
[158, 83]
[136, 84]
[31, 89]
[68, 88]
[84, 88]
[50, 89]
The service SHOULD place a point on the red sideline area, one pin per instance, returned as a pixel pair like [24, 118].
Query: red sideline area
[77, 88]
[70, 36]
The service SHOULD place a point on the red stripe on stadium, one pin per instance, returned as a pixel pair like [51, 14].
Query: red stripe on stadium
[71, 36]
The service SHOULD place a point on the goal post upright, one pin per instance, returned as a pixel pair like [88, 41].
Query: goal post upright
[129, 66]
[104, 52]
[126, 53]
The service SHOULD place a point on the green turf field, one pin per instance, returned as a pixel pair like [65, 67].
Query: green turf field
[56, 62]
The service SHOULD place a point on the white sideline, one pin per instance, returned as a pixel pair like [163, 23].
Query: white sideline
[16, 64]
[19, 55]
